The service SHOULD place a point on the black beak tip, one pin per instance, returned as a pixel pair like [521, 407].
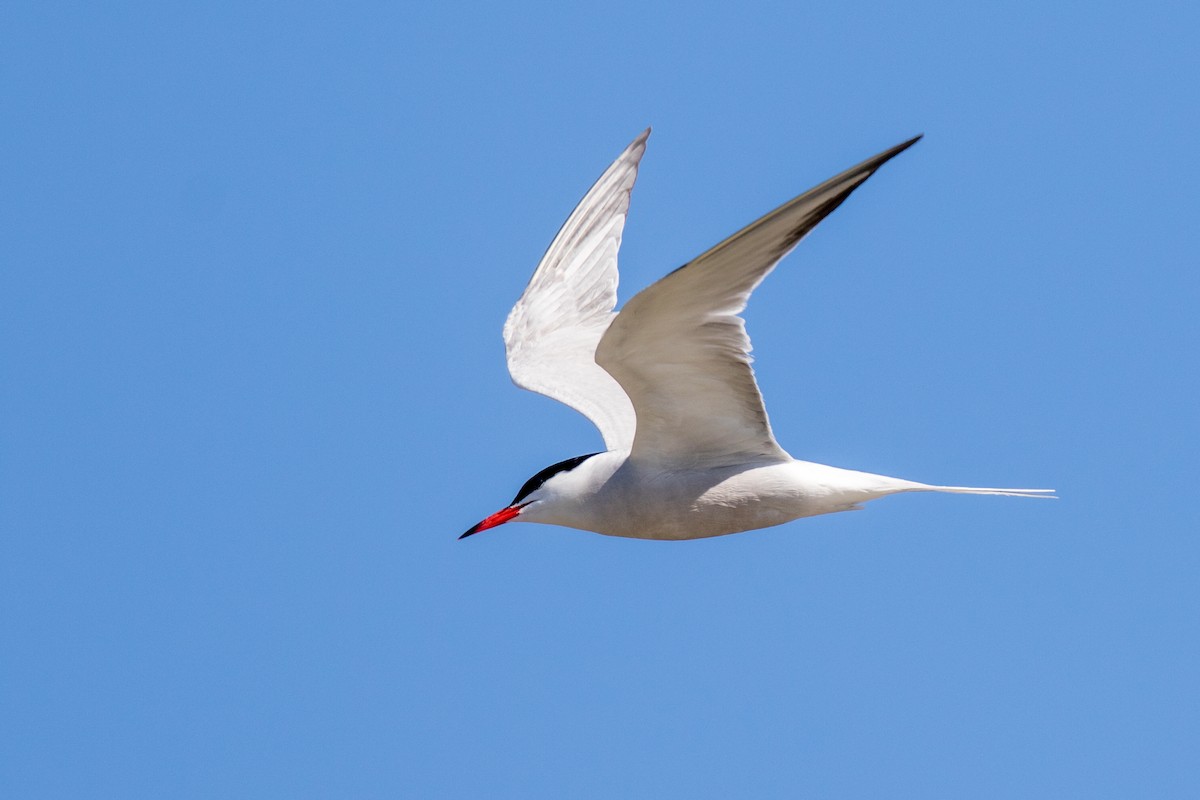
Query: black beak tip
[499, 518]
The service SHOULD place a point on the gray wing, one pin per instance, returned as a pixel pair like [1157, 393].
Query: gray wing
[680, 350]
[552, 332]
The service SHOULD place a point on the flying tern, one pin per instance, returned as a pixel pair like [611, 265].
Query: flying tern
[667, 380]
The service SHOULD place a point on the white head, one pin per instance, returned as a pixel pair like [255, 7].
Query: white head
[540, 490]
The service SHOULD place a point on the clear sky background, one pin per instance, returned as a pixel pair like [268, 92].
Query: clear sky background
[255, 261]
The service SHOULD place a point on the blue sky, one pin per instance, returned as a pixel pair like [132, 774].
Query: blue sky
[255, 263]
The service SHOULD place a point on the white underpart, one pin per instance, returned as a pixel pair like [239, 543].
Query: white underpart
[668, 380]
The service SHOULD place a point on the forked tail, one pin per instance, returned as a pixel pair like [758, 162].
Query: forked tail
[1046, 494]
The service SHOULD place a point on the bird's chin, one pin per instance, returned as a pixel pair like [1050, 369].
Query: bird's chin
[499, 518]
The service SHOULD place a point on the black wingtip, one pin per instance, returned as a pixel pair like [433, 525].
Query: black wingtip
[873, 163]
[886, 155]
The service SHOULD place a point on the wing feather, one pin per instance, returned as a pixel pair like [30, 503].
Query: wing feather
[552, 332]
[679, 348]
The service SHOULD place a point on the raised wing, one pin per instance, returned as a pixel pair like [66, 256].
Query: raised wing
[552, 332]
[680, 350]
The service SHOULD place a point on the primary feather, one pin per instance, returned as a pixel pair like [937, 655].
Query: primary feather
[679, 348]
[552, 332]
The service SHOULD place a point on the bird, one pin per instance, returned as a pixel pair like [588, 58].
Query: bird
[668, 380]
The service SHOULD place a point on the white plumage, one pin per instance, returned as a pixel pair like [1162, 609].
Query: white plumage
[668, 380]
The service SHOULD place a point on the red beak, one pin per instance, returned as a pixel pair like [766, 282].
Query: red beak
[499, 518]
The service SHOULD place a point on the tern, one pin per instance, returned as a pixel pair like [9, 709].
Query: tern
[667, 380]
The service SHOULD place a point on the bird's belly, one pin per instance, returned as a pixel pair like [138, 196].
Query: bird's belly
[678, 505]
